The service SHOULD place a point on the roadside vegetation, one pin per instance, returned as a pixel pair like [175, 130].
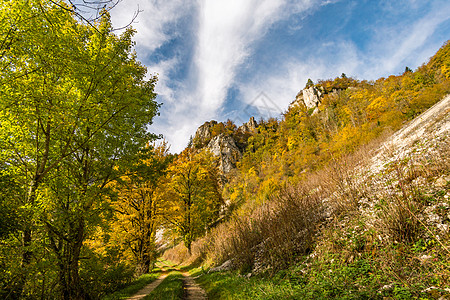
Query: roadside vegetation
[393, 243]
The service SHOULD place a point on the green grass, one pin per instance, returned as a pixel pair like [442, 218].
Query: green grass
[231, 285]
[133, 287]
[170, 289]
[327, 279]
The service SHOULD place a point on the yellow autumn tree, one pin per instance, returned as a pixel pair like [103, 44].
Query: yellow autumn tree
[138, 208]
[192, 194]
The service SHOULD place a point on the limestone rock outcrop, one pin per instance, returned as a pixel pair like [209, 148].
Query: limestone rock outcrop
[224, 147]
[203, 133]
[310, 97]
[249, 127]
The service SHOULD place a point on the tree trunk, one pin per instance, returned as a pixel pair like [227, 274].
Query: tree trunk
[69, 278]
[27, 254]
[143, 265]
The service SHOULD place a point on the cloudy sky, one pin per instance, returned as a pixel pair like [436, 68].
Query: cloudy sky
[230, 59]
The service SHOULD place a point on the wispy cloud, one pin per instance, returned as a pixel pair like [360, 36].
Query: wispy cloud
[225, 34]
[393, 47]
[153, 21]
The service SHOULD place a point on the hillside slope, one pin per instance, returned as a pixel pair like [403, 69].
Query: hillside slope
[325, 203]
[378, 227]
[433, 124]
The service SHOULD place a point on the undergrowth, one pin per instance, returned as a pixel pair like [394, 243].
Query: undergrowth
[379, 235]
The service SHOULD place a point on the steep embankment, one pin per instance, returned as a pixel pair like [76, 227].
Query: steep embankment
[432, 125]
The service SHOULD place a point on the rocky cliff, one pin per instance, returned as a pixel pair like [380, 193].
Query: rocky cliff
[249, 127]
[310, 97]
[227, 144]
[224, 147]
[203, 134]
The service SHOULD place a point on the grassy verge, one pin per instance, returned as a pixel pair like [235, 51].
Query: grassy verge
[334, 277]
[170, 289]
[231, 285]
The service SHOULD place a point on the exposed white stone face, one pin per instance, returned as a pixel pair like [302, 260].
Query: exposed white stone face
[249, 127]
[225, 148]
[311, 97]
[203, 133]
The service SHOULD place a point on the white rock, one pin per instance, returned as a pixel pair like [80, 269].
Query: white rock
[225, 148]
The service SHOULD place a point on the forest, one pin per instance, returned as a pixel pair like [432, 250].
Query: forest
[90, 199]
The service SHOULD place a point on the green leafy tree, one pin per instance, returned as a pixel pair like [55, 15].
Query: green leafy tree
[309, 83]
[74, 102]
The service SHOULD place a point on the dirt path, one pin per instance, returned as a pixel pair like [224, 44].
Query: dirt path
[192, 290]
[148, 288]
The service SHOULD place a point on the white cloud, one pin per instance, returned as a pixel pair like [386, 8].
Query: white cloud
[225, 34]
[227, 30]
[152, 21]
[391, 48]
[162, 69]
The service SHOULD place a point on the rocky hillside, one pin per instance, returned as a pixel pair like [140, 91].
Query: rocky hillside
[225, 141]
[373, 225]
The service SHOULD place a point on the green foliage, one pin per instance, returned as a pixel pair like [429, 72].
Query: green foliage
[441, 61]
[74, 106]
[397, 256]
[102, 275]
[352, 113]
[192, 194]
[138, 208]
[309, 83]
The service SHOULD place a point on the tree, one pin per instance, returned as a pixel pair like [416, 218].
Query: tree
[193, 195]
[309, 83]
[74, 101]
[139, 208]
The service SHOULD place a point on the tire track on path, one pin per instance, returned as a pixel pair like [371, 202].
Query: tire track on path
[150, 287]
[193, 291]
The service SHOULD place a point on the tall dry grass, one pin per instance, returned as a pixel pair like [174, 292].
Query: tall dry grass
[273, 235]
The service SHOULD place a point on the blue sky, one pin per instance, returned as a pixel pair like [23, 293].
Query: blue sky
[230, 59]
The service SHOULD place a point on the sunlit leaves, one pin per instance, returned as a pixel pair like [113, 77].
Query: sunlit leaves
[75, 105]
[192, 194]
